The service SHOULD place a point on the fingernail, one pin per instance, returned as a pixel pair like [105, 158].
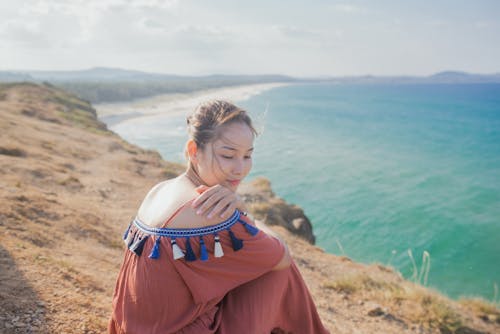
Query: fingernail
[198, 212]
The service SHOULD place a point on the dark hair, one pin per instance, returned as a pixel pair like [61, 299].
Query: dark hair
[203, 124]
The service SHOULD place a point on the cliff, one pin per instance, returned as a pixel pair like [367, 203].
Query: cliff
[69, 188]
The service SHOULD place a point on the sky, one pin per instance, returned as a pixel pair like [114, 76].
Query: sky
[297, 38]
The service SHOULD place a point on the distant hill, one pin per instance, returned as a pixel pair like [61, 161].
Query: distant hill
[100, 74]
[15, 77]
[102, 84]
[446, 77]
[462, 77]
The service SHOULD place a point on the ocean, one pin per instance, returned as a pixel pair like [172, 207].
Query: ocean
[382, 171]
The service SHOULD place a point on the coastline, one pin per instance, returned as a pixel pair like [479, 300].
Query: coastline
[175, 104]
[71, 187]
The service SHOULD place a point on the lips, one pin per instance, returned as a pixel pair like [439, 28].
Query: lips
[234, 183]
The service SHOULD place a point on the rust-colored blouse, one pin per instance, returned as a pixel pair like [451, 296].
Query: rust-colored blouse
[214, 279]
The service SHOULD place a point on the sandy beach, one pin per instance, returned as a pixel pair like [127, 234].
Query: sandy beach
[175, 104]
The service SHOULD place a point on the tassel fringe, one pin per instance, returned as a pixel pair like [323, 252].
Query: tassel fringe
[138, 244]
[237, 243]
[178, 254]
[129, 239]
[125, 235]
[218, 252]
[189, 251]
[155, 252]
[203, 250]
[135, 240]
[250, 228]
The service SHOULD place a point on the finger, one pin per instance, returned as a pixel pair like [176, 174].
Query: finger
[220, 206]
[224, 198]
[205, 196]
[201, 189]
[209, 203]
[228, 211]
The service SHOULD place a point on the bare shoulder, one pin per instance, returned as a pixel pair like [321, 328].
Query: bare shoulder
[188, 218]
[163, 200]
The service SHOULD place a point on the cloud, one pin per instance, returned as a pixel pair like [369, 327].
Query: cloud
[296, 32]
[483, 24]
[156, 4]
[346, 8]
[67, 23]
[74, 7]
[23, 33]
[208, 40]
[298, 36]
[437, 23]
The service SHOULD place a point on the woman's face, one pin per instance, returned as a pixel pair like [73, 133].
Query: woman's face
[228, 159]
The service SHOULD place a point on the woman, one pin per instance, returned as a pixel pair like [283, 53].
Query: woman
[195, 262]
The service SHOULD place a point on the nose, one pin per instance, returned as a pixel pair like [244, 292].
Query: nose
[238, 167]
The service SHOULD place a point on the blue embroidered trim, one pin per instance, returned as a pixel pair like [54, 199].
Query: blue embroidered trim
[188, 232]
[136, 238]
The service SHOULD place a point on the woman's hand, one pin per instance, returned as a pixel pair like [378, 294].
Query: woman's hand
[217, 200]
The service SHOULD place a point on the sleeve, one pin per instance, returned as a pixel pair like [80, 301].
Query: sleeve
[213, 278]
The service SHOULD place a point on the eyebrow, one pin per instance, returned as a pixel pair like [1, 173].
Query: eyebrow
[233, 149]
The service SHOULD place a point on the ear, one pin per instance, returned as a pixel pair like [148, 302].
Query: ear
[192, 150]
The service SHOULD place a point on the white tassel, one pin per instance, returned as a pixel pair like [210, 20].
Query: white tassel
[178, 253]
[218, 252]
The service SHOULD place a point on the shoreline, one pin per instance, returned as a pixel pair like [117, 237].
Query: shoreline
[175, 104]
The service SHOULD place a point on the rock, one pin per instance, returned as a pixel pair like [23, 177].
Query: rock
[492, 318]
[266, 206]
[376, 311]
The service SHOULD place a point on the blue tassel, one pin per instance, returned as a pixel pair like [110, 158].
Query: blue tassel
[155, 252]
[189, 251]
[125, 235]
[237, 243]
[203, 250]
[250, 228]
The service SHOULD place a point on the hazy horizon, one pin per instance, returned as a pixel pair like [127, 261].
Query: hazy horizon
[243, 74]
[193, 38]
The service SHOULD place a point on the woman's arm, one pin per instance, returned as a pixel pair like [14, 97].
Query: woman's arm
[221, 200]
[286, 259]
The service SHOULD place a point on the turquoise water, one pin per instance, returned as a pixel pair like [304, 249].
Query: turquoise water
[380, 170]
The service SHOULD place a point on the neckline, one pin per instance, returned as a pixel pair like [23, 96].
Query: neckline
[185, 232]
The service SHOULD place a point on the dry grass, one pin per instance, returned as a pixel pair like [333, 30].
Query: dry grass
[484, 309]
[409, 301]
